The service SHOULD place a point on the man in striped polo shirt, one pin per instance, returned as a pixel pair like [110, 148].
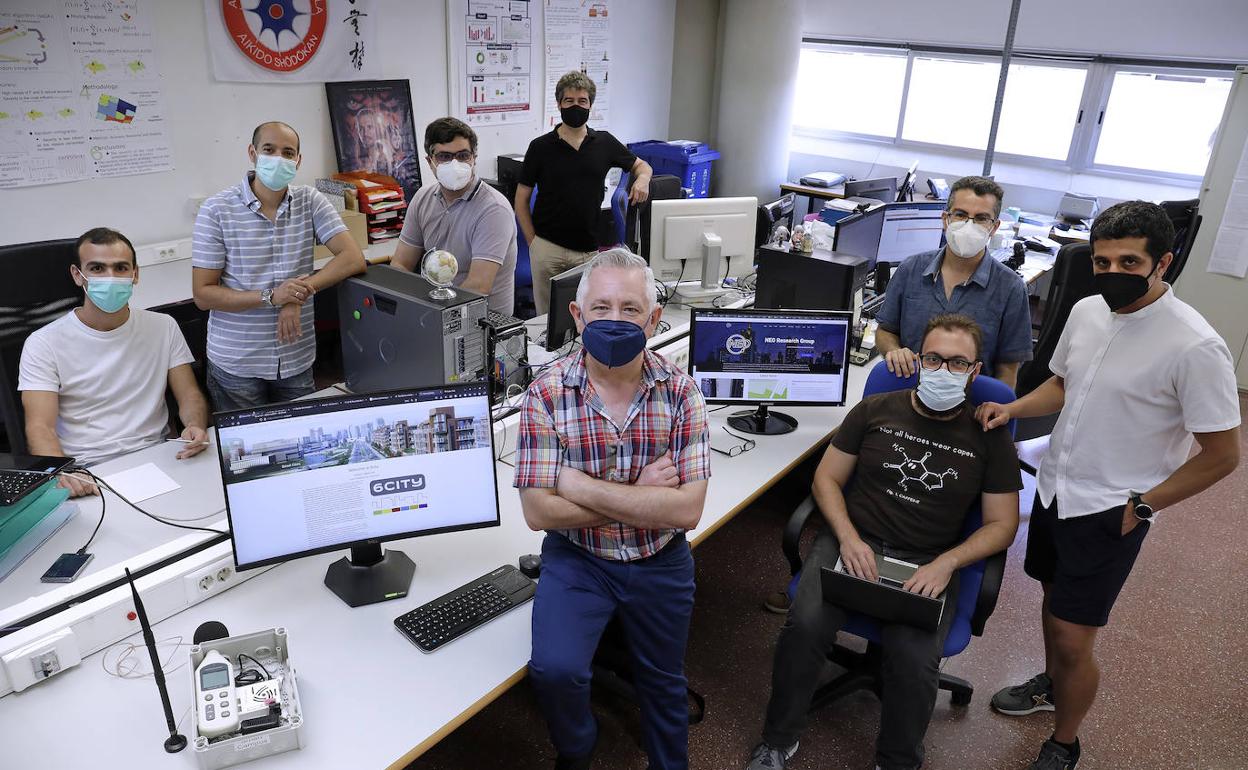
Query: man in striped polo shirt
[252, 260]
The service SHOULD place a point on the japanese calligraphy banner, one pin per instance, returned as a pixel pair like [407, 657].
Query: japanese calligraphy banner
[292, 41]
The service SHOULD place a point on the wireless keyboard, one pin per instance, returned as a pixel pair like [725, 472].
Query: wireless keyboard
[452, 615]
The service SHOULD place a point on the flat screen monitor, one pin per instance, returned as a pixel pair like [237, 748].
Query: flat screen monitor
[905, 191]
[910, 228]
[683, 231]
[560, 326]
[354, 471]
[768, 357]
[859, 234]
[883, 189]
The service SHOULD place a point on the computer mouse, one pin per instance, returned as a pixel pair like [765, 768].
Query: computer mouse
[531, 565]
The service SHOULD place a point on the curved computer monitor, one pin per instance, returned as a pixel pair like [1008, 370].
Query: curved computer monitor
[354, 471]
[769, 357]
[684, 232]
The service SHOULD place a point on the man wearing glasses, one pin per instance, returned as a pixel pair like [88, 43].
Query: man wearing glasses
[922, 460]
[568, 166]
[463, 215]
[960, 278]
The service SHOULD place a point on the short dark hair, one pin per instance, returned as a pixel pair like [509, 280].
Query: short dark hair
[1136, 219]
[103, 236]
[980, 185]
[575, 81]
[255, 135]
[956, 322]
[444, 131]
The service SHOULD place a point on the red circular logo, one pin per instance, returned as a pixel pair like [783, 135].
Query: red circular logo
[290, 50]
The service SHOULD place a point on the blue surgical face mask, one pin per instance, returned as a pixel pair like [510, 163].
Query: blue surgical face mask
[942, 390]
[109, 294]
[613, 343]
[274, 171]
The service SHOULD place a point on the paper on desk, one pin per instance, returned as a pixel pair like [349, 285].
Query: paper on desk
[141, 483]
[1032, 231]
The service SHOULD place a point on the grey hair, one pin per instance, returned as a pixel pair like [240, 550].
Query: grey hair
[618, 257]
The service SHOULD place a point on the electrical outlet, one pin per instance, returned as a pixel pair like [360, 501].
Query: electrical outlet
[169, 251]
[211, 579]
[679, 356]
[42, 659]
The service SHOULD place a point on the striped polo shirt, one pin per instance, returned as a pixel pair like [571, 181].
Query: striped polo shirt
[253, 253]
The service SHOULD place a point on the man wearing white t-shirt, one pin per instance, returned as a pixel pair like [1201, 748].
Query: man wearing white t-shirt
[1137, 375]
[93, 381]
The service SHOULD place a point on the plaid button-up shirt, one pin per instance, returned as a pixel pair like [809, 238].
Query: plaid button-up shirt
[563, 422]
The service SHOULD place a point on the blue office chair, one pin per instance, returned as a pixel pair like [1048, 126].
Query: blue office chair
[524, 307]
[619, 208]
[978, 586]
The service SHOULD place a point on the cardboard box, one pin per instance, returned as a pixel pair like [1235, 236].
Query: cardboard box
[357, 225]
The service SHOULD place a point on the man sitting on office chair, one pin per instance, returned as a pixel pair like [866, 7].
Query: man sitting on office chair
[960, 278]
[894, 511]
[463, 215]
[612, 461]
[93, 381]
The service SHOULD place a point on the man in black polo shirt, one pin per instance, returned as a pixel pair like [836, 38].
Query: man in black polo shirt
[568, 166]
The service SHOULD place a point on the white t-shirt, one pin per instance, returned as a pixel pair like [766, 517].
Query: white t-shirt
[111, 385]
[1137, 387]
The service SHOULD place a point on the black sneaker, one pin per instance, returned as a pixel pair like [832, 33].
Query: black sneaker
[1054, 757]
[769, 758]
[1036, 694]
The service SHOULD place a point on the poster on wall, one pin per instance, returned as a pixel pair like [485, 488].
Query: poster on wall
[374, 129]
[578, 37]
[80, 92]
[293, 41]
[490, 64]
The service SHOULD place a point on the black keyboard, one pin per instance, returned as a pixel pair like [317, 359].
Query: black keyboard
[501, 321]
[15, 484]
[452, 615]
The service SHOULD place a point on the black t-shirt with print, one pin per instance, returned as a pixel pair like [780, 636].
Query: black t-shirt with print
[916, 476]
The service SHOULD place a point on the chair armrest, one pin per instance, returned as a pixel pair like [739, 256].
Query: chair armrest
[989, 589]
[793, 533]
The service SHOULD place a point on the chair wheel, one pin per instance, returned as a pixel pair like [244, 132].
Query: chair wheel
[961, 699]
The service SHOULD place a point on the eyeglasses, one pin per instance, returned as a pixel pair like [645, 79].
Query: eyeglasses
[933, 361]
[463, 156]
[746, 445]
[983, 220]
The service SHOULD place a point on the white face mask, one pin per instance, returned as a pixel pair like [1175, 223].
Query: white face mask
[966, 239]
[454, 175]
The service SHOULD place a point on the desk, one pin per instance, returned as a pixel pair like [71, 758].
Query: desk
[813, 194]
[370, 698]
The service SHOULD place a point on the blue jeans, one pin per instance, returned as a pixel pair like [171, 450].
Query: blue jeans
[231, 392]
[577, 595]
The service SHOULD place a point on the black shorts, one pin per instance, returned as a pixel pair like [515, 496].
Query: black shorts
[1086, 560]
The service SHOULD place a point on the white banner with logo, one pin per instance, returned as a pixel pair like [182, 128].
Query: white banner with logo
[293, 41]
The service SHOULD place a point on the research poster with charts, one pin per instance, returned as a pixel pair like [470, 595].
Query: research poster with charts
[491, 65]
[80, 92]
[578, 37]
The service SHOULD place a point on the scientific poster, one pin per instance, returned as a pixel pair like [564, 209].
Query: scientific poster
[578, 37]
[491, 47]
[80, 92]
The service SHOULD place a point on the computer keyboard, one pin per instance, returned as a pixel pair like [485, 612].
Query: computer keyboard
[15, 484]
[501, 320]
[452, 615]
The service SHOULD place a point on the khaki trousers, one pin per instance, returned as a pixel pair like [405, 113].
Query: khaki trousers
[547, 260]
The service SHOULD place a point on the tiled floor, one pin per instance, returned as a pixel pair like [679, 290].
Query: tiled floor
[1174, 664]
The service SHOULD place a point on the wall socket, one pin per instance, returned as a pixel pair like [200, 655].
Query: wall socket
[210, 579]
[169, 251]
[679, 355]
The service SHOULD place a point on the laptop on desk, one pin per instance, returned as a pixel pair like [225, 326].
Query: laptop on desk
[22, 474]
[884, 599]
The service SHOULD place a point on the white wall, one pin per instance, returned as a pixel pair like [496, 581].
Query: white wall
[694, 86]
[211, 122]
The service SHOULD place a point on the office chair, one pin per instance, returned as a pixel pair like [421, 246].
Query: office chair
[1185, 215]
[619, 209]
[663, 187]
[38, 289]
[978, 587]
[524, 305]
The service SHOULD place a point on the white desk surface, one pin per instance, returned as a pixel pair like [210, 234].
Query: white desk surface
[370, 697]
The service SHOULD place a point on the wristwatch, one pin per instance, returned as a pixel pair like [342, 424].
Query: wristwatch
[266, 297]
[1142, 510]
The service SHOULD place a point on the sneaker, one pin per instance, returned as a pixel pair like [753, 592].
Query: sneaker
[1036, 694]
[767, 758]
[1054, 757]
[778, 603]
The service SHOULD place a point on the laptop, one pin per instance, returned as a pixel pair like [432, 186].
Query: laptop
[884, 599]
[22, 474]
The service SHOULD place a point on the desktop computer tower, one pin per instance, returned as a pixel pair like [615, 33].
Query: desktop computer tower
[395, 336]
[789, 280]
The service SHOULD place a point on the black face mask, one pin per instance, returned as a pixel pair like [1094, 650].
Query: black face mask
[574, 116]
[1121, 289]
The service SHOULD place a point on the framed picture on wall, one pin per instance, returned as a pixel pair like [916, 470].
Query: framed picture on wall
[374, 130]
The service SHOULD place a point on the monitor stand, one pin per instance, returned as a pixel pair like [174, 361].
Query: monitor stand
[760, 422]
[711, 285]
[369, 576]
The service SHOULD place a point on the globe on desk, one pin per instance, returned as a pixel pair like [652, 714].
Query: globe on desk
[439, 268]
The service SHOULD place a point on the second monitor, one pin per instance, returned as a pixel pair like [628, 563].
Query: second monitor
[705, 238]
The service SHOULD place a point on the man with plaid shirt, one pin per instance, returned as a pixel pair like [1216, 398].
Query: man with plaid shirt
[612, 463]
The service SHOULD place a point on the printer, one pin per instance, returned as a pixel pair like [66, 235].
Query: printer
[395, 336]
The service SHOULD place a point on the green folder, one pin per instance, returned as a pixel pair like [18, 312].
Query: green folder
[18, 519]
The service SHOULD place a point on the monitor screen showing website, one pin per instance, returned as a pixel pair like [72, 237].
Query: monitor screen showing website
[910, 228]
[774, 357]
[311, 476]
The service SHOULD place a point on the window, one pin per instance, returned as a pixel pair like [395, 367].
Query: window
[1161, 122]
[1041, 110]
[849, 91]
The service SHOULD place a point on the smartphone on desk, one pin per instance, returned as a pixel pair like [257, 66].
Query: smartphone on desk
[67, 567]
